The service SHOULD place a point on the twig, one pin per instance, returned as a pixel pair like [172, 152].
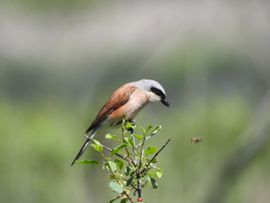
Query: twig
[138, 174]
[109, 149]
[110, 169]
[141, 153]
[149, 136]
[136, 165]
[113, 200]
[126, 149]
[153, 158]
[134, 141]
[129, 198]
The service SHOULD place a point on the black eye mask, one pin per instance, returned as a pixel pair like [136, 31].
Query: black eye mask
[162, 96]
[158, 92]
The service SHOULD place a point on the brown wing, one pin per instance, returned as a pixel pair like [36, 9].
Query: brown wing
[118, 99]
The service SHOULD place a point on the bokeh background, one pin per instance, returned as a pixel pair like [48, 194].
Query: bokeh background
[60, 60]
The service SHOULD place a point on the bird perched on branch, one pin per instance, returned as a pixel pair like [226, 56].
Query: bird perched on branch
[125, 103]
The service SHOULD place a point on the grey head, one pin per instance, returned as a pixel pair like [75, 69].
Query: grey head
[154, 90]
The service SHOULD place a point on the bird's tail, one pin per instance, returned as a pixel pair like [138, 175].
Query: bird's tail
[83, 148]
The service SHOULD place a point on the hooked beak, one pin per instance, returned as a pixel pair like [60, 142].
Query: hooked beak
[165, 102]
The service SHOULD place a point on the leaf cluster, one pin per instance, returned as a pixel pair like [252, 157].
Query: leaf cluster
[132, 164]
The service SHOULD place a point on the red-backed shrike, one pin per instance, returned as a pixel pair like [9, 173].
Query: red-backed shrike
[125, 103]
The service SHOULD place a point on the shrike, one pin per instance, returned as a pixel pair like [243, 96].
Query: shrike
[125, 103]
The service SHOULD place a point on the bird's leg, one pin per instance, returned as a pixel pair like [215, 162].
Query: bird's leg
[131, 130]
[133, 124]
[132, 121]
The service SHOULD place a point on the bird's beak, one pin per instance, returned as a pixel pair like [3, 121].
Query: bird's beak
[165, 102]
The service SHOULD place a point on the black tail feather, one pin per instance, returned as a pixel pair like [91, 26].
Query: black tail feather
[84, 146]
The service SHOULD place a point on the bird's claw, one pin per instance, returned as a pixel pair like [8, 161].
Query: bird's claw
[133, 124]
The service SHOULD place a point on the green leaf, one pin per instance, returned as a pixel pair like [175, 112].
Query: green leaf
[124, 200]
[148, 129]
[87, 161]
[127, 170]
[150, 150]
[111, 137]
[129, 125]
[116, 187]
[118, 148]
[112, 165]
[138, 137]
[154, 183]
[129, 181]
[158, 173]
[143, 130]
[156, 129]
[148, 178]
[129, 141]
[125, 140]
[114, 200]
[119, 163]
[153, 161]
[97, 146]
[132, 173]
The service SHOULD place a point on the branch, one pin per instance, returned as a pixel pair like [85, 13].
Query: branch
[113, 200]
[141, 153]
[129, 198]
[109, 149]
[126, 149]
[153, 158]
[135, 164]
[139, 186]
[149, 136]
[138, 174]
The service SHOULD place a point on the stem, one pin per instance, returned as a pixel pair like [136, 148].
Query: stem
[118, 197]
[146, 168]
[139, 185]
[121, 196]
[141, 153]
[109, 149]
[113, 174]
[138, 174]
[129, 198]
[149, 136]
[130, 160]
[156, 154]
[133, 147]
[135, 159]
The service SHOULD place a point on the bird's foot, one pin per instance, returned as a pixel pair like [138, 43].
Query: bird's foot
[133, 124]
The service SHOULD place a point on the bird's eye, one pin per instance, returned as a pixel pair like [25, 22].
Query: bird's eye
[157, 92]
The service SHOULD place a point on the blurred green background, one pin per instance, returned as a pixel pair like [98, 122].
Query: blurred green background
[60, 61]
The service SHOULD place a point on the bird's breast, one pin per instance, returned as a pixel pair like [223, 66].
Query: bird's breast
[137, 101]
[129, 110]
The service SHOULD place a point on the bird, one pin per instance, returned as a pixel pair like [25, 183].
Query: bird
[124, 104]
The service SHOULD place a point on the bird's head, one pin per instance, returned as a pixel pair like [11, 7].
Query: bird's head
[153, 90]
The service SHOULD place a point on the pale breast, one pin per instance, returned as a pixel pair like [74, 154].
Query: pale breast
[137, 101]
[129, 110]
